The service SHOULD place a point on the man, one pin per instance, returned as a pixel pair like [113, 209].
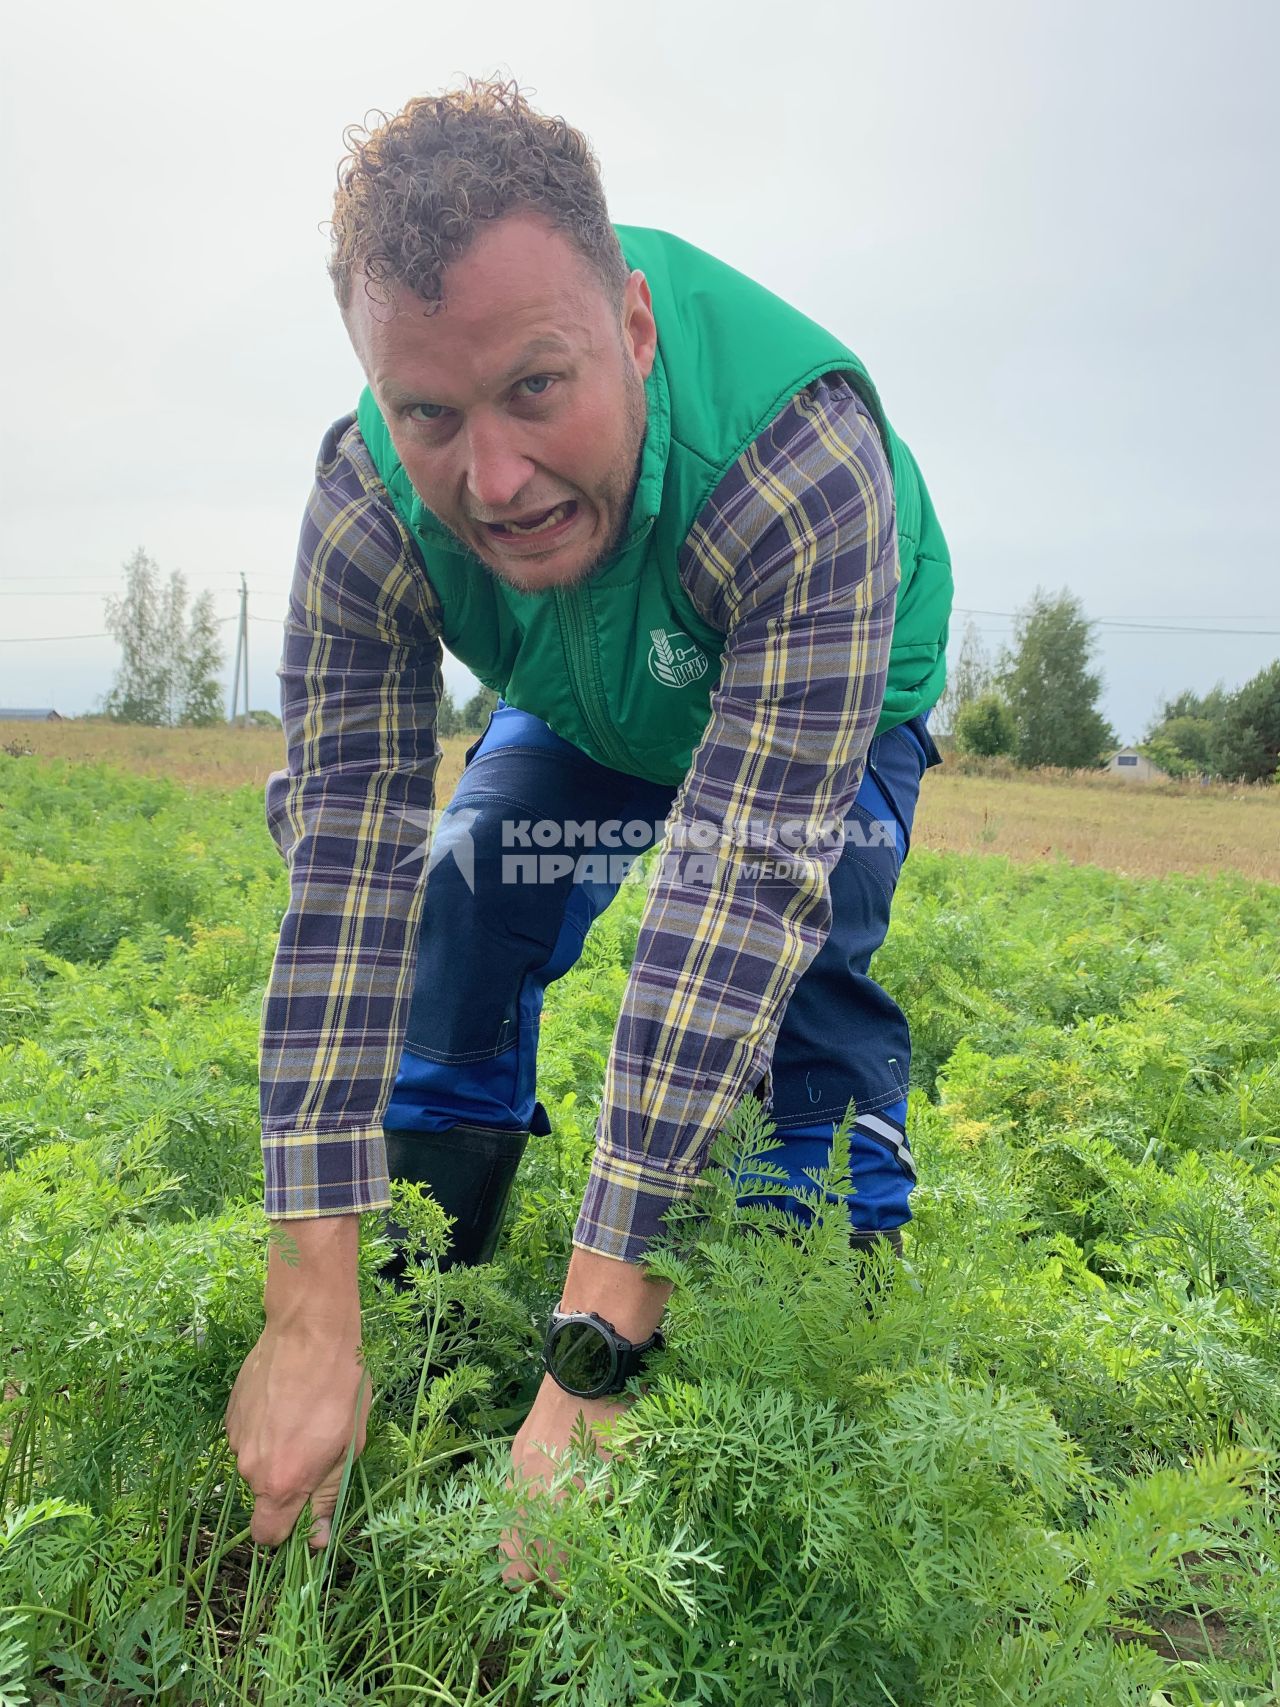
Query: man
[666, 517]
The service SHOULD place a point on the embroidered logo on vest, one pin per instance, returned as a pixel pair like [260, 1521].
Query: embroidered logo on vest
[674, 660]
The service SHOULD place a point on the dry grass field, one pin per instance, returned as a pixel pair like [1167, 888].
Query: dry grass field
[221, 757]
[1141, 829]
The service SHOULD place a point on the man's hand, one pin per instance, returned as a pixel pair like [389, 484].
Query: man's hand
[550, 1425]
[625, 1296]
[293, 1408]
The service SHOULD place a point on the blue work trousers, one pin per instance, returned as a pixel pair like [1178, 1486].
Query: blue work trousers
[491, 940]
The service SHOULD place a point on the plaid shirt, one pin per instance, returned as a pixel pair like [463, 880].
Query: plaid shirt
[794, 558]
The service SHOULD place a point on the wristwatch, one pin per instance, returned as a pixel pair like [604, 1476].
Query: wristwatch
[589, 1358]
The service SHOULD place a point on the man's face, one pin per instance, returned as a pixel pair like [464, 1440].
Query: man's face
[520, 401]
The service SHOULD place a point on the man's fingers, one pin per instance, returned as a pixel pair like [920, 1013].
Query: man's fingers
[531, 1561]
[517, 1570]
[273, 1519]
[275, 1515]
[291, 1455]
[324, 1502]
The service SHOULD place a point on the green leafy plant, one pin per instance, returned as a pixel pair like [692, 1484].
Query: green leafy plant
[1034, 1462]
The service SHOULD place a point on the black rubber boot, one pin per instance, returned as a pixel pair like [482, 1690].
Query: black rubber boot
[863, 1238]
[470, 1171]
[864, 1241]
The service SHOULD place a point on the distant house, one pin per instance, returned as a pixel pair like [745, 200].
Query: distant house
[25, 714]
[1134, 766]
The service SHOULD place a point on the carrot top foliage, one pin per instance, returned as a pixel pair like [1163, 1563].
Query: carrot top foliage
[1034, 1463]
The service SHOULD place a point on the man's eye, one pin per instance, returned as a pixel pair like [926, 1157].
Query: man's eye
[426, 412]
[541, 383]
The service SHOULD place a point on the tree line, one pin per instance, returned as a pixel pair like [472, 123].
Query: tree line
[172, 659]
[170, 669]
[1037, 702]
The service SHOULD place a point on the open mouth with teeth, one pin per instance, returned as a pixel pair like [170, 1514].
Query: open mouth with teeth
[544, 523]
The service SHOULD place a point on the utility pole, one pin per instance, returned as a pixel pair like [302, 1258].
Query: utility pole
[241, 671]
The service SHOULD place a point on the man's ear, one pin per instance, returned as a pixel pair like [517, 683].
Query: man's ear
[639, 328]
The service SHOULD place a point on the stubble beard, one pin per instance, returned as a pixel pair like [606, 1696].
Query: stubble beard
[616, 496]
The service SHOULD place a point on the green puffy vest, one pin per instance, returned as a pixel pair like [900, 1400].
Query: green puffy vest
[622, 664]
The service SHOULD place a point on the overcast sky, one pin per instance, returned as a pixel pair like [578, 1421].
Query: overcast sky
[1049, 231]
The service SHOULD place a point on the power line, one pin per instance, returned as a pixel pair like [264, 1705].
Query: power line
[1136, 625]
[223, 575]
[84, 592]
[1201, 616]
[1120, 625]
[39, 639]
[1183, 616]
[76, 593]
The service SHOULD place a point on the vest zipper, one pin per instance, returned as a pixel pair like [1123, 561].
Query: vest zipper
[584, 683]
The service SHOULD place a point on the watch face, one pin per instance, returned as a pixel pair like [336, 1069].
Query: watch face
[581, 1358]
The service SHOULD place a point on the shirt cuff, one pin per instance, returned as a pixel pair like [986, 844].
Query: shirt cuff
[306, 1174]
[625, 1201]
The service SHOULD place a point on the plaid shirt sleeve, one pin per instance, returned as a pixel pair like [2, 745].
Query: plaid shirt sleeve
[795, 557]
[360, 686]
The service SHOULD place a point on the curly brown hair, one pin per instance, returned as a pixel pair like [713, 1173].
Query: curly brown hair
[413, 192]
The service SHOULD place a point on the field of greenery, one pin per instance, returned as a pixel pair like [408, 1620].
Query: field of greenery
[1036, 1464]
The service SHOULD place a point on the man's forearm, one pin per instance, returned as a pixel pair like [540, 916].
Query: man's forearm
[621, 1292]
[312, 1274]
[312, 1280]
